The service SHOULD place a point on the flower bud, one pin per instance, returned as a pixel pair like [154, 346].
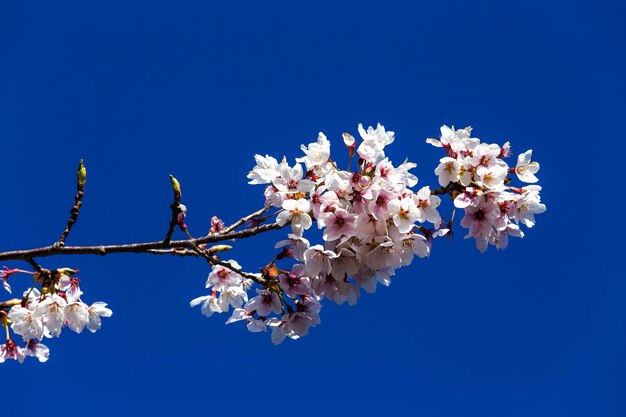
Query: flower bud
[220, 248]
[67, 271]
[216, 224]
[350, 143]
[349, 140]
[81, 174]
[175, 187]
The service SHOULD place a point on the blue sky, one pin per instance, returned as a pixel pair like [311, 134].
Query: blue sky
[140, 90]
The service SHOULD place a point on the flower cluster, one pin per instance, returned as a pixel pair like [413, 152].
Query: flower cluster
[369, 219]
[477, 177]
[228, 289]
[46, 313]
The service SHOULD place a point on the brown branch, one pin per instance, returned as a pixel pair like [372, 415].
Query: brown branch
[81, 177]
[243, 220]
[453, 186]
[34, 264]
[143, 247]
[214, 260]
[174, 252]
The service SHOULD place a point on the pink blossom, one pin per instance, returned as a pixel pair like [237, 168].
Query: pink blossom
[221, 277]
[264, 303]
[38, 350]
[339, 223]
[294, 283]
[10, 350]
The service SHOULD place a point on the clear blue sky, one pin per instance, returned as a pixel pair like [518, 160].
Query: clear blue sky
[140, 90]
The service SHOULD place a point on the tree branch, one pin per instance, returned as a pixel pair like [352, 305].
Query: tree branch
[144, 247]
[34, 264]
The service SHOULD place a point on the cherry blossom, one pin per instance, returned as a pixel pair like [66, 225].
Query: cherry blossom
[264, 303]
[209, 304]
[448, 170]
[525, 169]
[52, 312]
[38, 350]
[76, 316]
[296, 212]
[291, 181]
[404, 213]
[5, 273]
[10, 350]
[295, 283]
[317, 155]
[265, 170]
[370, 221]
[220, 277]
[25, 324]
[95, 311]
[317, 260]
[528, 205]
[299, 245]
[39, 315]
[478, 174]
[339, 223]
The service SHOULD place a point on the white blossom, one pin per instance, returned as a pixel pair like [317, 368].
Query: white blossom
[448, 170]
[97, 310]
[317, 153]
[317, 260]
[265, 171]
[52, 312]
[404, 213]
[38, 350]
[529, 205]
[525, 169]
[209, 304]
[25, 324]
[291, 181]
[234, 297]
[76, 316]
[296, 212]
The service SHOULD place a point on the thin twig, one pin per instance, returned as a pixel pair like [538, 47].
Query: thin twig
[213, 260]
[81, 177]
[243, 220]
[453, 186]
[34, 264]
[176, 209]
[173, 251]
